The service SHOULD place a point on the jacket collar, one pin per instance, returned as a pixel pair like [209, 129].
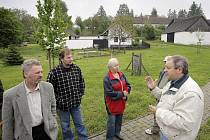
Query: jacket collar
[111, 75]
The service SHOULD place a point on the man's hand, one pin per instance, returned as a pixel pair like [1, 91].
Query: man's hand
[150, 82]
[152, 109]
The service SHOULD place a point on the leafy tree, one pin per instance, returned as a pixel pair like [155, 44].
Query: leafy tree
[63, 7]
[11, 29]
[101, 12]
[123, 10]
[182, 14]
[132, 13]
[172, 14]
[149, 32]
[154, 12]
[195, 10]
[28, 24]
[51, 26]
[122, 27]
[100, 21]
[13, 57]
[79, 22]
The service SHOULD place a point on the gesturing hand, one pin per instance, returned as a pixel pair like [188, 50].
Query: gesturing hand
[150, 82]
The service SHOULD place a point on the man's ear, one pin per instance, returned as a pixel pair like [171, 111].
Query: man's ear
[180, 70]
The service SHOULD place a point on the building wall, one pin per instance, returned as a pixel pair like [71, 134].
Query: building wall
[81, 42]
[188, 38]
[164, 37]
[128, 42]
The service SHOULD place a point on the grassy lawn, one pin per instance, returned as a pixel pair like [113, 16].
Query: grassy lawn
[94, 69]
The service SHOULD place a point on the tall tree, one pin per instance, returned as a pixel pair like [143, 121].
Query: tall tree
[123, 10]
[101, 12]
[51, 27]
[79, 22]
[122, 28]
[28, 24]
[195, 10]
[182, 14]
[154, 12]
[11, 29]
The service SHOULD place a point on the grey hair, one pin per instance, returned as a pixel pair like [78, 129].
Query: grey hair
[112, 62]
[180, 62]
[27, 65]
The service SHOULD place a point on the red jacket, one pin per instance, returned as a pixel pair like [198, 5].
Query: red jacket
[113, 93]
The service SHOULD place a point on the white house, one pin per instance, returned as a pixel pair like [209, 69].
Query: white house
[188, 31]
[117, 36]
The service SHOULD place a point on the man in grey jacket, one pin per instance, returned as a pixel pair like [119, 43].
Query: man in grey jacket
[29, 109]
[181, 103]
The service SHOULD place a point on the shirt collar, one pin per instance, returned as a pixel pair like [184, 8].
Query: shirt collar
[28, 90]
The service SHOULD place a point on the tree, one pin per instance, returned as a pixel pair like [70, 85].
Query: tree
[182, 14]
[51, 27]
[11, 29]
[28, 24]
[101, 12]
[79, 22]
[149, 32]
[154, 12]
[195, 10]
[13, 57]
[123, 10]
[122, 27]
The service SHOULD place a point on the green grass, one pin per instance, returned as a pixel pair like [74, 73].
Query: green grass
[94, 69]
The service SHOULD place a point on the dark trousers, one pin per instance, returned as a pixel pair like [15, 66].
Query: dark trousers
[38, 133]
[114, 124]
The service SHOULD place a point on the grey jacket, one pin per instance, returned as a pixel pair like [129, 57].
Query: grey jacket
[16, 117]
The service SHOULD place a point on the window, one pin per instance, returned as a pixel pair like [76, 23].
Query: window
[115, 39]
[123, 39]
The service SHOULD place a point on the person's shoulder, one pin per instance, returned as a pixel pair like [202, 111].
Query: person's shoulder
[13, 90]
[44, 83]
[55, 69]
[191, 85]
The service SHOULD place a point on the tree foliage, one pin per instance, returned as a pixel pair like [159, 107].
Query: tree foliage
[182, 14]
[11, 29]
[123, 10]
[154, 12]
[195, 10]
[79, 22]
[172, 14]
[51, 26]
[28, 24]
[121, 27]
[101, 12]
[13, 57]
[149, 32]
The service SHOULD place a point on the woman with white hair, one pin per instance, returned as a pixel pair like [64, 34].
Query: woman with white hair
[116, 90]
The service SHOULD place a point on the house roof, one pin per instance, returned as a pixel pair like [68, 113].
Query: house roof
[151, 20]
[112, 27]
[190, 24]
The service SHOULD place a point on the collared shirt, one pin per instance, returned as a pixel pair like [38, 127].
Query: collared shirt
[68, 85]
[34, 103]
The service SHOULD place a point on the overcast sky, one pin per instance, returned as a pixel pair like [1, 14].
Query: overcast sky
[87, 8]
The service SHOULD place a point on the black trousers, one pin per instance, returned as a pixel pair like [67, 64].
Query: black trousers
[38, 133]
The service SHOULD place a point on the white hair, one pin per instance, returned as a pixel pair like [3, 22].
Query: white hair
[112, 62]
[27, 65]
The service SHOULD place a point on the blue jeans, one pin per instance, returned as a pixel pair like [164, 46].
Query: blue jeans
[162, 137]
[114, 124]
[78, 123]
